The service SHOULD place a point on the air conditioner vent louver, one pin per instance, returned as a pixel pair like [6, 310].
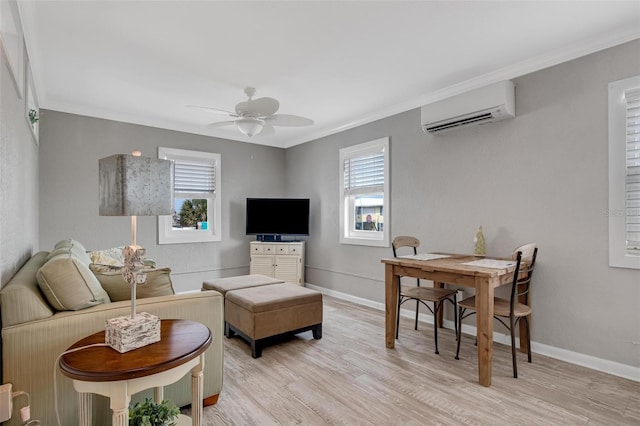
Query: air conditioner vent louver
[485, 105]
[458, 123]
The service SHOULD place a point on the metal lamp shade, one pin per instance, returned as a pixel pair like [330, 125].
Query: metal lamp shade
[135, 186]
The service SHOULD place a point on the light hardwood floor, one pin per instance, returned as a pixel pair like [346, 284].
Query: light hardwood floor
[350, 378]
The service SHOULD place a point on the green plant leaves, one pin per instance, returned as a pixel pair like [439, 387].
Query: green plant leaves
[150, 413]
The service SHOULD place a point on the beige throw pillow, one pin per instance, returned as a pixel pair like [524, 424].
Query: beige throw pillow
[158, 283]
[68, 283]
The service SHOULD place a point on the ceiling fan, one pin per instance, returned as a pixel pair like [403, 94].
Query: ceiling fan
[257, 116]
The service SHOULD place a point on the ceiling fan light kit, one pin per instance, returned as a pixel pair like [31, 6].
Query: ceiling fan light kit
[250, 126]
[256, 116]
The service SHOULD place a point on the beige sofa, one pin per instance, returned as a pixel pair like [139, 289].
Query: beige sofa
[34, 334]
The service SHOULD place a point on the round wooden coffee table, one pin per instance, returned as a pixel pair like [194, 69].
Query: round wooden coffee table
[105, 371]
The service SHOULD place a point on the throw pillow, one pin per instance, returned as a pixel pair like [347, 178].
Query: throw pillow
[69, 285]
[111, 257]
[158, 284]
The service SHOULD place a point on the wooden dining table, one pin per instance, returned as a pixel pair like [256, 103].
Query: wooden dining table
[455, 270]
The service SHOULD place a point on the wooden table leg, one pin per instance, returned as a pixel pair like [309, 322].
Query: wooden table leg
[120, 417]
[484, 310]
[85, 411]
[391, 284]
[196, 393]
[119, 403]
[158, 394]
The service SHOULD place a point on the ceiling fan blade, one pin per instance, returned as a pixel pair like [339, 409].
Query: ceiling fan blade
[222, 111]
[261, 107]
[289, 120]
[220, 124]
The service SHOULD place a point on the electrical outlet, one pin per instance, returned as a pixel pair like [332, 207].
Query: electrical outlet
[5, 402]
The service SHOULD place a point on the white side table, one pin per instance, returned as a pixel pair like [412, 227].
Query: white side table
[104, 371]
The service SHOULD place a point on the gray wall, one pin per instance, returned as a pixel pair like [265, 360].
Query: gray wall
[541, 177]
[70, 148]
[18, 180]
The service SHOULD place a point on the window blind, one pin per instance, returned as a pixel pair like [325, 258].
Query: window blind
[632, 190]
[197, 178]
[364, 172]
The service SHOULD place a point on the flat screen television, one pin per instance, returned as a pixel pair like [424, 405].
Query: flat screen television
[277, 216]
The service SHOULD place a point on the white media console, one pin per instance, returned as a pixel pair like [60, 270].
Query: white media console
[279, 259]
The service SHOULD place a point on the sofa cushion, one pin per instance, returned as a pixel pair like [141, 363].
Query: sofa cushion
[68, 283]
[158, 283]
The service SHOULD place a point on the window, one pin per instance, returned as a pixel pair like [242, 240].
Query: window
[196, 191]
[624, 173]
[364, 194]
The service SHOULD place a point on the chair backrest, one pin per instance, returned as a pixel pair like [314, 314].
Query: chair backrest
[405, 241]
[526, 259]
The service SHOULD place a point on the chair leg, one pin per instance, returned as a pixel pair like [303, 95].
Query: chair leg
[513, 346]
[415, 327]
[459, 331]
[455, 317]
[526, 319]
[436, 307]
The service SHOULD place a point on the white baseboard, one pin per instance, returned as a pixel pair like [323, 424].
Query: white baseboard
[599, 364]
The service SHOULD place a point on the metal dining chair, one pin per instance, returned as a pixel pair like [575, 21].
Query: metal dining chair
[515, 308]
[421, 295]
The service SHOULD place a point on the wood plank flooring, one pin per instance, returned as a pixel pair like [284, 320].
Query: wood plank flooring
[350, 378]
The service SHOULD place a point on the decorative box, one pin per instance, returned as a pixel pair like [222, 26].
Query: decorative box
[125, 333]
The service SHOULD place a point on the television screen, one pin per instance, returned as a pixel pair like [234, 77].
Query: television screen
[277, 216]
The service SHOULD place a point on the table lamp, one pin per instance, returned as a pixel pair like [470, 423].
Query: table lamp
[132, 185]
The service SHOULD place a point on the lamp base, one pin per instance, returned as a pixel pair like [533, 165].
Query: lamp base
[125, 333]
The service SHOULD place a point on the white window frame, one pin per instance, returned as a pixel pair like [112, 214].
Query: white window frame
[166, 233]
[619, 255]
[349, 235]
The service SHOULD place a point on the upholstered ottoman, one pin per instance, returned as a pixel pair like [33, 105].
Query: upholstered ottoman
[258, 313]
[222, 285]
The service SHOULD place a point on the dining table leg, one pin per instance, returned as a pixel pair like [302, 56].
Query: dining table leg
[484, 311]
[391, 285]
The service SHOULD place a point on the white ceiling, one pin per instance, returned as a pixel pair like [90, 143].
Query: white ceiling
[340, 63]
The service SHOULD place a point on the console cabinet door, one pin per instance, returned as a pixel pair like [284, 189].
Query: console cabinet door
[287, 267]
[262, 265]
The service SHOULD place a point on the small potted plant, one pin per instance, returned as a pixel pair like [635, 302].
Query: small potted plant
[150, 413]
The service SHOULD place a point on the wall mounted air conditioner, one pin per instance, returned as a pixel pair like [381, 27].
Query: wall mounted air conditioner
[484, 105]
